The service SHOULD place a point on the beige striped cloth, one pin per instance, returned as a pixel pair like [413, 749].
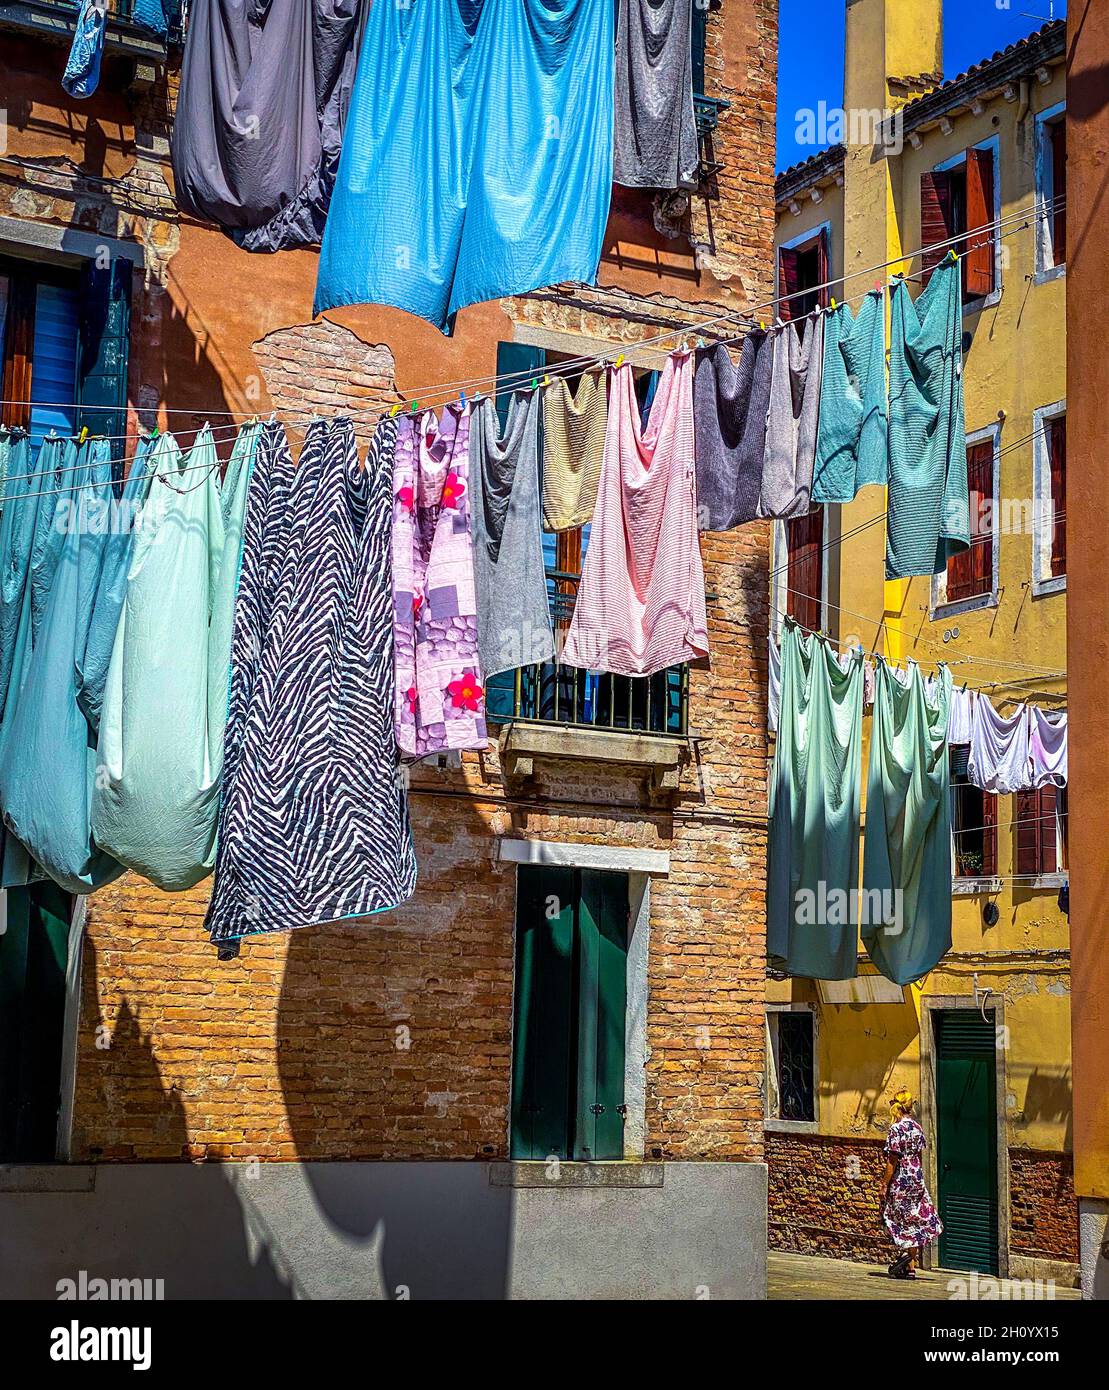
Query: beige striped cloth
[573, 446]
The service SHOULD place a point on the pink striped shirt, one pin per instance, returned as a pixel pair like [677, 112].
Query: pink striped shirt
[641, 604]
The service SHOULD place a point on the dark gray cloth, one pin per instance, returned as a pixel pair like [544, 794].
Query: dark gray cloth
[798, 369]
[729, 411]
[656, 133]
[513, 615]
[265, 87]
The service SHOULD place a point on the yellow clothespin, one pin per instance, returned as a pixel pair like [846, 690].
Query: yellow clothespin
[394, 410]
[833, 303]
[83, 435]
[619, 361]
[762, 325]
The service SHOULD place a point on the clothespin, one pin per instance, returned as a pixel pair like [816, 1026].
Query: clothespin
[155, 432]
[535, 383]
[546, 379]
[833, 303]
[394, 410]
[462, 399]
[415, 405]
[83, 435]
[700, 342]
[762, 325]
[619, 361]
[952, 255]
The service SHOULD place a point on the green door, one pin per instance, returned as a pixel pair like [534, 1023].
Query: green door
[966, 1138]
[571, 1003]
[33, 952]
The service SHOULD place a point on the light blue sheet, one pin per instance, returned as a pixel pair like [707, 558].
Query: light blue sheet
[477, 158]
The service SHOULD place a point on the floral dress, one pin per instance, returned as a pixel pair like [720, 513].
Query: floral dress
[910, 1217]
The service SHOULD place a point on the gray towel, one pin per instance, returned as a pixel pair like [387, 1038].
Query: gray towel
[791, 422]
[656, 134]
[729, 408]
[265, 87]
[513, 615]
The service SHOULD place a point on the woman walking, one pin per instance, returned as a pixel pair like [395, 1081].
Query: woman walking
[905, 1205]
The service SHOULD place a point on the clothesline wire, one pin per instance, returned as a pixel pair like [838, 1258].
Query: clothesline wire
[507, 382]
[922, 641]
[574, 366]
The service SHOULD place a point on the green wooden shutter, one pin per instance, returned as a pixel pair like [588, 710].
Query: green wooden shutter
[542, 1055]
[966, 1139]
[570, 1011]
[602, 1011]
[33, 954]
[105, 329]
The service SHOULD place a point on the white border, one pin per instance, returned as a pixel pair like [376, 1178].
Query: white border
[1043, 582]
[1046, 269]
[772, 1122]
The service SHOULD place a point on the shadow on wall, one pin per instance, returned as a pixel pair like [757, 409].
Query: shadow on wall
[393, 1039]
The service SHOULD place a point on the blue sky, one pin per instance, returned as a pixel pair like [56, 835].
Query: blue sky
[810, 54]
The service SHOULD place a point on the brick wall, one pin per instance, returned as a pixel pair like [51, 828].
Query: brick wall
[391, 1038]
[1042, 1205]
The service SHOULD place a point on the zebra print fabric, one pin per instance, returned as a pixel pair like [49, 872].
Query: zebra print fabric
[314, 818]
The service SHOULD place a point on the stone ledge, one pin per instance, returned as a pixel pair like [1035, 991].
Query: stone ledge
[658, 756]
[47, 1177]
[537, 1174]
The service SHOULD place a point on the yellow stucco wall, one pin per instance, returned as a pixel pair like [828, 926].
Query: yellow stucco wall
[1015, 363]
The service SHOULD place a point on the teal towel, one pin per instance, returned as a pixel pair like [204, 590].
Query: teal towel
[851, 443]
[929, 507]
[907, 846]
[813, 868]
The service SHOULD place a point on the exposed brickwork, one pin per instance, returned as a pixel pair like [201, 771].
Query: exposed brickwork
[824, 1196]
[391, 1038]
[1043, 1207]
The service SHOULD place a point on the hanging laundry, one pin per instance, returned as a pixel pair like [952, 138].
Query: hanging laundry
[48, 767]
[929, 508]
[960, 718]
[92, 665]
[440, 696]
[999, 753]
[30, 547]
[773, 686]
[641, 603]
[11, 442]
[851, 436]
[157, 796]
[82, 70]
[514, 618]
[1047, 747]
[573, 446]
[791, 422]
[656, 142]
[264, 94]
[152, 15]
[314, 819]
[907, 842]
[730, 406]
[812, 902]
[477, 160]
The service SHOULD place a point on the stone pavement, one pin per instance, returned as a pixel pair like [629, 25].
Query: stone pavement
[810, 1277]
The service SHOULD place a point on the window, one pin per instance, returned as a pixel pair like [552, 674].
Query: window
[958, 200]
[34, 948]
[791, 1093]
[570, 1013]
[970, 572]
[1039, 832]
[804, 569]
[63, 346]
[802, 267]
[1049, 449]
[973, 821]
[1051, 190]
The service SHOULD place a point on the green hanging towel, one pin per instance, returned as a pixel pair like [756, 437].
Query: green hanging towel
[813, 860]
[907, 845]
[30, 546]
[165, 701]
[851, 442]
[48, 767]
[929, 510]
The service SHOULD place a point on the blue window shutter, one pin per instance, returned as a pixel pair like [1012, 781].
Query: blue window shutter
[105, 328]
[53, 361]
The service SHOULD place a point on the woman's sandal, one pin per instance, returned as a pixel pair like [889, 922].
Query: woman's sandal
[900, 1268]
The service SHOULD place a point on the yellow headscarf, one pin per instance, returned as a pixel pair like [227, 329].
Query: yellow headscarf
[902, 1104]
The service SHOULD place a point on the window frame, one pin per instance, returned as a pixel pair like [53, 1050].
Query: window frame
[980, 882]
[801, 242]
[1043, 506]
[1046, 269]
[976, 303]
[940, 607]
[780, 595]
[772, 1121]
[1042, 878]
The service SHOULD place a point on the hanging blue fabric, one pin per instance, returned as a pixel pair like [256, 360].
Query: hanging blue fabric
[30, 545]
[48, 765]
[151, 15]
[82, 71]
[477, 158]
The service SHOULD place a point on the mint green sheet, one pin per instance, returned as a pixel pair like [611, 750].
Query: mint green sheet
[165, 700]
[813, 860]
[907, 845]
[929, 515]
[851, 440]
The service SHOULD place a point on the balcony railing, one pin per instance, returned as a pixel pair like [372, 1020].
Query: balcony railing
[57, 19]
[551, 693]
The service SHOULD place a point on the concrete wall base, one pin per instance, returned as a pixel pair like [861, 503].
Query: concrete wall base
[1093, 1244]
[384, 1230]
